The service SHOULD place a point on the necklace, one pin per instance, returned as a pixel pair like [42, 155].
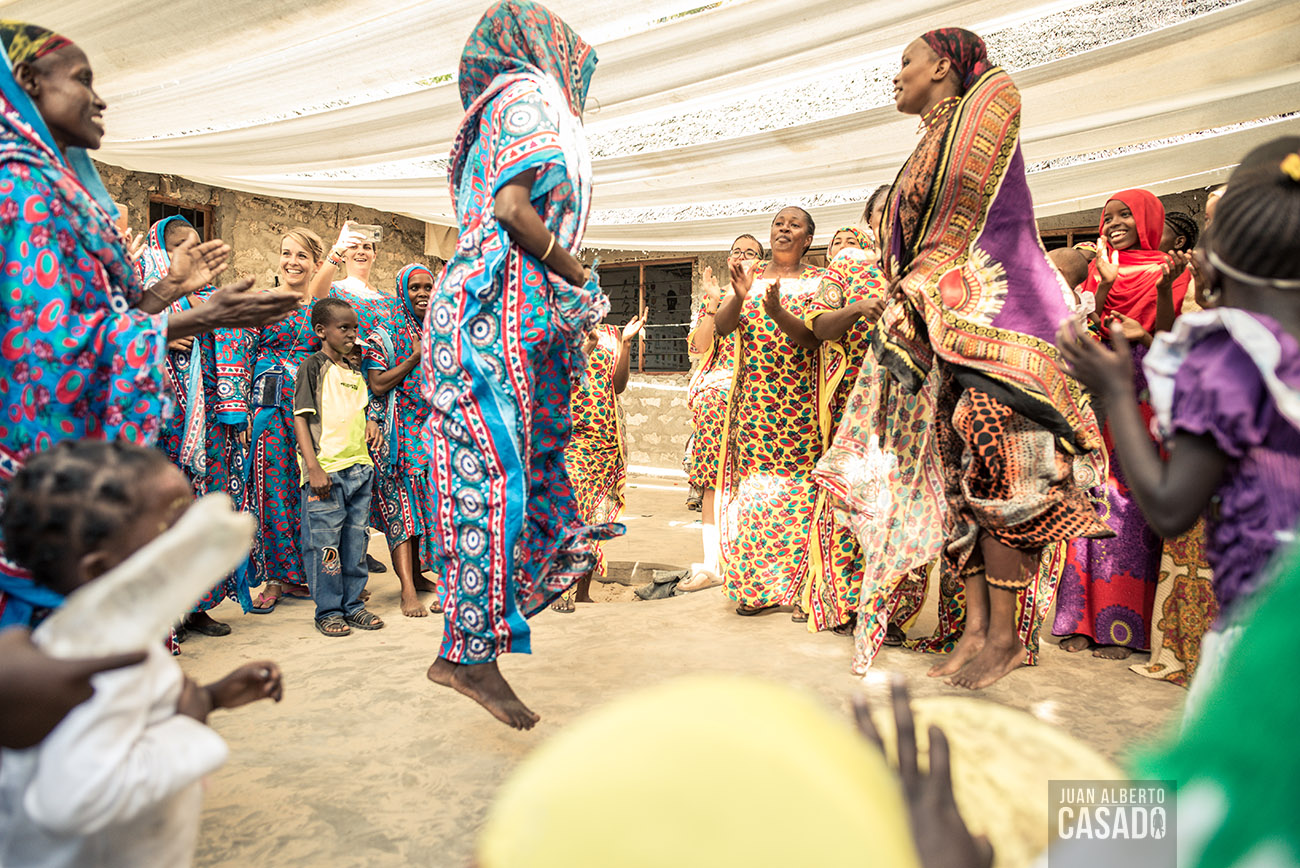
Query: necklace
[936, 110]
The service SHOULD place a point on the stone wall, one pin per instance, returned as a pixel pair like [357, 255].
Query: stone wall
[253, 225]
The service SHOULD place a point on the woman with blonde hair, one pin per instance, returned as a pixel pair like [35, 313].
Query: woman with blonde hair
[273, 355]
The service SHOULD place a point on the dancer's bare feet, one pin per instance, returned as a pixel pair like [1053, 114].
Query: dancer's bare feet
[1076, 643]
[411, 605]
[422, 584]
[994, 661]
[970, 644]
[1112, 652]
[483, 683]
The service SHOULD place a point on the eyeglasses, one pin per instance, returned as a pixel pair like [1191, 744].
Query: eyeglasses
[743, 254]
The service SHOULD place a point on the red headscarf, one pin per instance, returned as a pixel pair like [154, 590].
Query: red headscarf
[965, 51]
[1134, 292]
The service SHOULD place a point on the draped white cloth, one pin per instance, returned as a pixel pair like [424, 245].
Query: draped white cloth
[342, 100]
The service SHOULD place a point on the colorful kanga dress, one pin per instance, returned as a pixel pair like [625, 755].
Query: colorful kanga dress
[1184, 610]
[830, 596]
[1109, 586]
[201, 437]
[401, 480]
[504, 336]
[706, 398]
[76, 359]
[273, 355]
[372, 306]
[1013, 435]
[596, 456]
[771, 444]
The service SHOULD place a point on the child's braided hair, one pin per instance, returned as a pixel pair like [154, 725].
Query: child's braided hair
[1183, 224]
[1258, 220]
[69, 499]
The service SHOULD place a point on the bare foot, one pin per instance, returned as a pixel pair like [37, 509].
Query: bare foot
[412, 607]
[969, 645]
[992, 663]
[563, 604]
[423, 584]
[1112, 652]
[441, 671]
[583, 596]
[483, 683]
[1076, 643]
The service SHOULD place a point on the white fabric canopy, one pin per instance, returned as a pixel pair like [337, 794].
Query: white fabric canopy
[337, 100]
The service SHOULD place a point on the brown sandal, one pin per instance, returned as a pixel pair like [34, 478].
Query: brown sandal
[333, 625]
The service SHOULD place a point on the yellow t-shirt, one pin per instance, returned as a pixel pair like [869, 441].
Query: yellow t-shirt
[333, 397]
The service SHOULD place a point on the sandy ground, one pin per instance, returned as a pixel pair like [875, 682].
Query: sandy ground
[366, 763]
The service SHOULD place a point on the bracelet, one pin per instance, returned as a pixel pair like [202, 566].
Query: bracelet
[332, 259]
[549, 248]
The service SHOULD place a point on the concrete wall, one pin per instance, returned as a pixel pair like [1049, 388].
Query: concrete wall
[253, 225]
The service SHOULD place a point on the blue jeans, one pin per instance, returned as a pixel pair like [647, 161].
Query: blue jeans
[335, 533]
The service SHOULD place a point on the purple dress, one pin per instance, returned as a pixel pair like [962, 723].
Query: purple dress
[1108, 586]
[1220, 390]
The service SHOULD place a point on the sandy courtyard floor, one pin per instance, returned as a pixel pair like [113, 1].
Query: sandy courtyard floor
[366, 763]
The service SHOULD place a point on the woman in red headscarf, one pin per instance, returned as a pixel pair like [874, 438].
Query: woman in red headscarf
[1130, 275]
[1108, 588]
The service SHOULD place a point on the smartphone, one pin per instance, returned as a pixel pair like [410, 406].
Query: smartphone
[268, 389]
[374, 234]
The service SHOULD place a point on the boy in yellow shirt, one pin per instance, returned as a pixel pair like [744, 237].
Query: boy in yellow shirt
[329, 406]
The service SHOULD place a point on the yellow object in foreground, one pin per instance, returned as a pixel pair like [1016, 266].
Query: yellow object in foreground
[770, 779]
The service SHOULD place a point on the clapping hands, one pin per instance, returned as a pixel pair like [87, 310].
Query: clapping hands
[1107, 262]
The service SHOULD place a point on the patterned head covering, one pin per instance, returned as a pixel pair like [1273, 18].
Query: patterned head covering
[25, 42]
[966, 51]
[864, 239]
[28, 42]
[155, 262]
[523, 36]
[404, 291]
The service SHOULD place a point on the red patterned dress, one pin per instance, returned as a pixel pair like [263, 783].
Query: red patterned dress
[596, 455]
[706, 398]
[771, 444]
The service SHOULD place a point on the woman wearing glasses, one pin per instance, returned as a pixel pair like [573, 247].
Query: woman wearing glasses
[706, 397]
